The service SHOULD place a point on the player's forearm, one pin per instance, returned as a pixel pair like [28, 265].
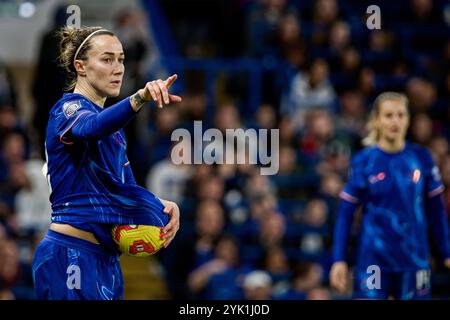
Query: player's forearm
[105, 123]
[342, 228]
[439, 225]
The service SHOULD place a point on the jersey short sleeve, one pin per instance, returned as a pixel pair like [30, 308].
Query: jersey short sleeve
[433, 181]
[67, 115]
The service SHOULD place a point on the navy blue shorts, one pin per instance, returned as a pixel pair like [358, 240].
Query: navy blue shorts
[68, 268]
[407, 285]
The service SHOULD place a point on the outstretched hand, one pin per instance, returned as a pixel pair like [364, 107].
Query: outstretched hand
[158, 91]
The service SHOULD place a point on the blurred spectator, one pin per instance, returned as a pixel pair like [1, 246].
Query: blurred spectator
[352, 112]
[439, 148]
[350, 61]
[380, 55]
[420, 10]
[218, 278]
[319, 294]
[340, 37]
[8, 120]
[276, 263]
[421, 129]
[313, 230]
[210, 223]
[212, 188]
[366, 82]
[193, 107]
[291, 44]
[12, 174]
[288, 131]
[32, 204]
[307, 276]
[421, 94]
[262, 204]
[257, 286]
[319, 130]
[227, 117]
[10, 124]
[262, 24]
[445, 173]
[331, 185]
[167, 180]
[257, 185]
[15, 277]
[308, 92]
[325, 13]
[315, 214]
[9, 268]
[288, 173]
[265, 117]
[335, 159]
[159, 141]
[265, 229]
[193, 247]
[288, 161]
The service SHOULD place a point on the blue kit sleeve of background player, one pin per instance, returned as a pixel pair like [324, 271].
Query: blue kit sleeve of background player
[434, 205]
[439, 226]
[342, 228]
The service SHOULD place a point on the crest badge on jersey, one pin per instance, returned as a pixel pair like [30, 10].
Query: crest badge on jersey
[436, 174]
[416, 176]
[69, 108]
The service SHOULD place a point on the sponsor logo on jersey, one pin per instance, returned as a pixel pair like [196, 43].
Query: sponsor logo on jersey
[377, 177]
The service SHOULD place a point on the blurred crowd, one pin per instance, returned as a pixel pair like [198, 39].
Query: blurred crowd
[244, 235]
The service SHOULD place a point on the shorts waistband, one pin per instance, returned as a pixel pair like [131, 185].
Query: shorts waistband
[81, 244]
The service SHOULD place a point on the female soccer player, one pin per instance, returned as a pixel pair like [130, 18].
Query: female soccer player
[400, 191]
[92, 185]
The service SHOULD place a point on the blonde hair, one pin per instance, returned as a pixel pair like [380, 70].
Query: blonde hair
[72, 43]
[373, 133]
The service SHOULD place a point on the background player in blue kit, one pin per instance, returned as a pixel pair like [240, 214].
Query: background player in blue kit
[400, 191]
[92, 185]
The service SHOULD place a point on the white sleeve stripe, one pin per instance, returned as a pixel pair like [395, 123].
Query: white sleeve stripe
[436, 191]
[348, 197]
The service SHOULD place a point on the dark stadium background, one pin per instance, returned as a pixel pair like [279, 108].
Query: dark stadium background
[243, 235]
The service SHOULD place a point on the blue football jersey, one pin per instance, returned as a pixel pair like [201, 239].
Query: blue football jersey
[90, 177]
[392, 188]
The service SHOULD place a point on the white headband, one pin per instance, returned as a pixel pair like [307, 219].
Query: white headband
[84, 42]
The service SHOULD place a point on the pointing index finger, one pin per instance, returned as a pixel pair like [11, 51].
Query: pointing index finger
[170, 80]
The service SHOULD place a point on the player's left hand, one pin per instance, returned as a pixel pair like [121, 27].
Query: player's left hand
[170, 230]
[447, 263]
